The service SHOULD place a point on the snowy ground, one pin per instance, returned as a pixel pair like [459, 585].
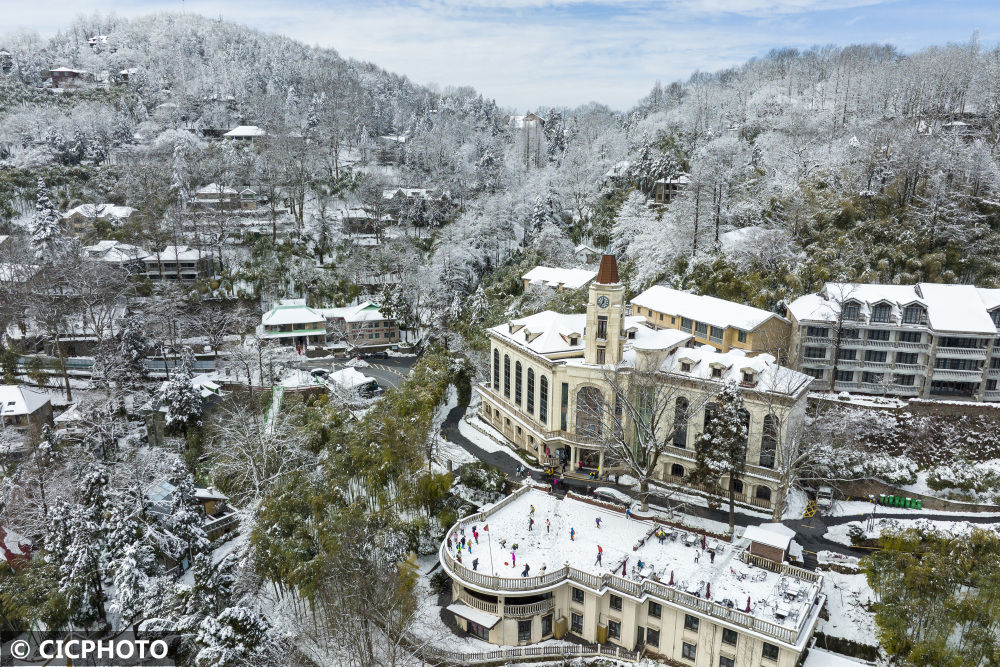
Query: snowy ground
[681, 558]
[841, 533]
[861, 507]
[480, 439]
[847, 596]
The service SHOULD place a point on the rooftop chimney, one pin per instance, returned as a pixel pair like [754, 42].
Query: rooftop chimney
[607, 274]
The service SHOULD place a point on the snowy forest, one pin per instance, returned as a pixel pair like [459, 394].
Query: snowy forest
[856, 163]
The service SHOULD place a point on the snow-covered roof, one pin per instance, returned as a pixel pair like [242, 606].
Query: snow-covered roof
[619, 169]
[421, 193]
[16, 400]
[360, 214]
[349, 378]
[216, 189]
[243, 131]
[291, 311]
[15, 547]
[398, 138]
[554, 277]
[473, 614]
[101, 211]
[626, 541]
[69, 69]
[950, 308]
[702, 360]
[546, 332]
[206, 385]
[680, 179]
[717, 312]
[114, 251]
[364, 312]
[70, 415]
[174, 253]
[989, 297]
[766, 534]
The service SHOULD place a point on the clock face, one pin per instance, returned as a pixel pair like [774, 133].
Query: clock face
[603, 301]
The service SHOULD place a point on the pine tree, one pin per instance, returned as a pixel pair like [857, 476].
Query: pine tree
[720, 450]
[237, 636]
[47, 238]
[182, 399]
[213, 585]
[185, 519]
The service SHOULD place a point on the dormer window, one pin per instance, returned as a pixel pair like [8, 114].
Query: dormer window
[631, 334]
[716, 371]
[852, 310]
[748, 377]
[913, 315]
[881, 312]
[573, 340]
[686, 366]
[996, 318]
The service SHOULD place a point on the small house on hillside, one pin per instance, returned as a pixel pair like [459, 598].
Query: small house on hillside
[361, 326]
[22, 408]
[361, 221]
[116, 252]
[558, 279]
[667, 189]
[246, 133]
[178, 263]
[292, 322]
[67, 77]
[81, 219]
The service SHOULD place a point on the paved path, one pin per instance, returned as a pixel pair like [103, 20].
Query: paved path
[809, 531]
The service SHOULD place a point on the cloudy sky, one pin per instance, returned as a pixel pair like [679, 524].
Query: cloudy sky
[532, 53]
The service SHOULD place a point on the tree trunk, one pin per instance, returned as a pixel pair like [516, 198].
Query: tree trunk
[732, 507]
[644, 494]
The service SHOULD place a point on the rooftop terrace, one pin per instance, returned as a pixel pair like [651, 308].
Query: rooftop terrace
[640, 558]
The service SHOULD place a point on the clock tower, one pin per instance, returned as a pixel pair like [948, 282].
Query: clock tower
[605, 315]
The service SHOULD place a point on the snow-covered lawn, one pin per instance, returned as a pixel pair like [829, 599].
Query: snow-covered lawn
[480, 439]
[841, 533]
[862, 507]
[847, 596]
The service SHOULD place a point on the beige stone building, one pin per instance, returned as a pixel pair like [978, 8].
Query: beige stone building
[725, 325]
[546, 367]
[659, 590]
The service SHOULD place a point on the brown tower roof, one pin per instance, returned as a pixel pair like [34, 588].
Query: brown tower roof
[607, 274]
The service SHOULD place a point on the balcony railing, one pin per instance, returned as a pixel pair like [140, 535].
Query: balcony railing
[955, 374]
[659, 590]
[476, 603]
[968, 352]
[527, 610]
[908, 367]
[992, 395]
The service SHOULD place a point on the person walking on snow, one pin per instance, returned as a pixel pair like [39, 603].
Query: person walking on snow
[548, 525]
[532, 512]
[600, 552]
[524, 572]
[598, 522]
[513, 559]
[572, 534]
[475, 563]
[531, 524]
[475, 534]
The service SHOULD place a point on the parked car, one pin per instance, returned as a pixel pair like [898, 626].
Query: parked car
[320, 373]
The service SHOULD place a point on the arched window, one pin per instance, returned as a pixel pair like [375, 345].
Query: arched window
[763, 493]
[530, 405]
[677, 470]
[738, 486]
[506, 375]
[681, 422]
[496, 369]
[769, 441]
[517, 383]
[589, 408]
[543, 400]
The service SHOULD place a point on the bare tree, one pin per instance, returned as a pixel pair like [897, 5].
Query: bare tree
[634, 418]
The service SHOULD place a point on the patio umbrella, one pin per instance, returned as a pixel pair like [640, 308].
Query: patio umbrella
[671, 577]
[708, 590]
[748, 604]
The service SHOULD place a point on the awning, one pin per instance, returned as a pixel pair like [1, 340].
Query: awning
[474, 615]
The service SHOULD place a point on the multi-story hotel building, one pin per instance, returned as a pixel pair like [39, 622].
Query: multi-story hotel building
[629, 582]
[927, 340]
[724, 325]
[548, 367]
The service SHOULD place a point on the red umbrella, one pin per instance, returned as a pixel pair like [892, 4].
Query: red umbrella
[708, 590]
[748, 604]
[671, 577]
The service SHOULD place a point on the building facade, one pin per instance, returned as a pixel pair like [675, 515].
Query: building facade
[927, 340]
[545, 369]
[728, 607]
[361, 326]
[724, 325]
[292, 322]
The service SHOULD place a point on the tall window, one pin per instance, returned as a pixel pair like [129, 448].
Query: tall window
[530, 406]
[517, 383]
[602, 327]
[911, 314]
[880, 313]
[769, 441]
[589, 409]
[506, 375]
[543, 400]
[601, 355]
[701, 330]
[496, 369]
[852, 310]
[563, 406]
[741, 336]
[681, 422]
[709, 416]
